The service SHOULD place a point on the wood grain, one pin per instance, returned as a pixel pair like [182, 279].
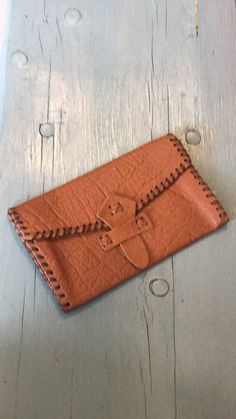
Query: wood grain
[108, 76]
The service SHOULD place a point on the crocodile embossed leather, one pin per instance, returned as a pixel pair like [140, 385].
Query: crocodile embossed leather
[106, 226]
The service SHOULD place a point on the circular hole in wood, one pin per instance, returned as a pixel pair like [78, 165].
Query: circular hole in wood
[159, 287]
[193, 137]
[72, 16]
[19, 58]
[46, 130]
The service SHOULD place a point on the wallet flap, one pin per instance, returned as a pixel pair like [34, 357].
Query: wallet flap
[140, 175]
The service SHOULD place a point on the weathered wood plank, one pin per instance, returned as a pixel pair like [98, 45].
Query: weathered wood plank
[107, 76]
[205, 314]
[202, 87]
[83, 72]
[4, 27]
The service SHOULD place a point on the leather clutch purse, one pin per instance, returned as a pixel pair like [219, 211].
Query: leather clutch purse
[106, 226]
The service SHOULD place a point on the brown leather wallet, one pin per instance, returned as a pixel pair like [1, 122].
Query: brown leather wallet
[104, 227]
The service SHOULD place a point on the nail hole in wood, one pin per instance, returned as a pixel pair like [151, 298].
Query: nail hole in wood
[19, 58]
[72, 16]
[193, 137]
[159, 287]
[46, 129]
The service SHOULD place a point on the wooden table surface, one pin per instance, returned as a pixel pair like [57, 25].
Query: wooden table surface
[84, 82]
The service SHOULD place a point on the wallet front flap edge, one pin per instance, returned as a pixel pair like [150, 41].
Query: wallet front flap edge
[73, 208]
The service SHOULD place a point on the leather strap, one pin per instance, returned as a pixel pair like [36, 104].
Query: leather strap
[134, 226]
[126, 229]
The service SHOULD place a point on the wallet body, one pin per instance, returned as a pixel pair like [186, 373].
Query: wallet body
[106, 226]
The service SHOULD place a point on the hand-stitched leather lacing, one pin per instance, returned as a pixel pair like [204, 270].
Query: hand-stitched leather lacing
[209, 194]
[39, 259]
[180, 148]
[69, 231]
[18, 222]
[99, 225]
[158, 189]
[141, 203]
[168, 181]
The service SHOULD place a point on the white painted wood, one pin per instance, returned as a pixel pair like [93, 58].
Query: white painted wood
[202, 88]
[108, 76]
[104, 98]
[4, 27]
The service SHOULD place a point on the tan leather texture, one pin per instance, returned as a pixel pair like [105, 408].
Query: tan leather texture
[106, 226]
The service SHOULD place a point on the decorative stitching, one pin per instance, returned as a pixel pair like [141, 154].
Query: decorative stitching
[100, 225]
[141, 203]
[168, 181]
[180, 148]
[18, 223]
[39, 259]
[69, 231]
[209, 194]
